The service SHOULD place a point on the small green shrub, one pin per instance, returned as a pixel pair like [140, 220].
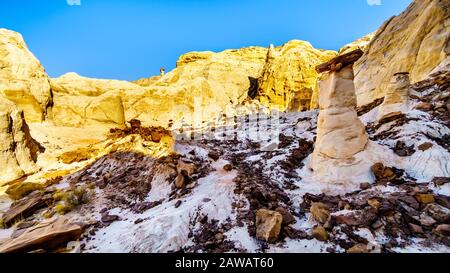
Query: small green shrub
[69, 199]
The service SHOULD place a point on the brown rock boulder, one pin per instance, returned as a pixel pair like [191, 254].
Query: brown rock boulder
[320, 212]
[47, 235]
[268, 225]
[24, 207]
[320, 234]
[443, 229]
[424, 198]
[358, 248]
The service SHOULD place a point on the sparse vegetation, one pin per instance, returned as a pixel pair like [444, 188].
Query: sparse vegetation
[69, 199]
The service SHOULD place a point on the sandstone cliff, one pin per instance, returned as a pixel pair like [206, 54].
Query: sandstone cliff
[80, 101]
[211, 80]
[361, 44]
[23, 80]
[416, 41]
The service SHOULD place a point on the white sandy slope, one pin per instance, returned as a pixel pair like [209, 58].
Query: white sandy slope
[165, 228]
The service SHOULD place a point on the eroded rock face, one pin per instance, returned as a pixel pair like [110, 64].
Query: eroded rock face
[288, 78]
[362, 43]
[396, 97]
[18, 150]
[193, 56]
[416, 41]
[23, 80]
[209, 82]
[80, 101]
[340, 133]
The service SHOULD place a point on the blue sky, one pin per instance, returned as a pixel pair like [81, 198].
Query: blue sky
[131, 39]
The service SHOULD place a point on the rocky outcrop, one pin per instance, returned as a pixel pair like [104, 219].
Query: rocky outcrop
[199, 83]
[47, 235]
[288, 78]
[194, 56]
[80, 101]
[268, 225]
[202, 87]
[416, 41]
[18, 150]
[361, 43]
[24, 208]
[397, 96]
[22, 78]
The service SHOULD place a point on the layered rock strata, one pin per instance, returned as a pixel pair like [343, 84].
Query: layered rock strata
[416, 41]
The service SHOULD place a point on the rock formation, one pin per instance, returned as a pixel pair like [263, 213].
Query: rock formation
[80, 101]
[215, 82]
[361, 44]
[18, 150]
[396, 97]
[47, 235]
[114, 163]
[416, 41]
[194, 56]
[268, 225]
[22, 78]
[340, 133]
[288, 77]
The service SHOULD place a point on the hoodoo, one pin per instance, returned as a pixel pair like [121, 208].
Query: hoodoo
[396, 98]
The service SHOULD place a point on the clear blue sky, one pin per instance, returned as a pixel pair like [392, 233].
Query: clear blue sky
[132, 39]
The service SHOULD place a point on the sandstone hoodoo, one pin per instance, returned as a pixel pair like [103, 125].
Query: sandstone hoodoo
[340, 133]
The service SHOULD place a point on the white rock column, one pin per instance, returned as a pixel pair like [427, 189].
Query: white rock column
[340, 133]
